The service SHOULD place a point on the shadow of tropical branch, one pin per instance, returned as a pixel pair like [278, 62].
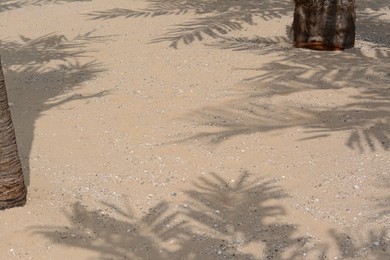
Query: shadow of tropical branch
[265, 9]
[216, 19]
[237, 213]
[8, 5]
[265, 44]
[382, 203]
[213, 26]
[213, 18]
[33, 54]
[297, 77]
[367, 120]
[39, 73]
[218, 220]
[373, 245]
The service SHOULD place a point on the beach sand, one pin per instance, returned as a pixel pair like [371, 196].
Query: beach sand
[153, 129]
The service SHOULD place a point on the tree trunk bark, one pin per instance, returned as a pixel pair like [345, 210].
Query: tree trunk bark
[324, 24]
[12, 188]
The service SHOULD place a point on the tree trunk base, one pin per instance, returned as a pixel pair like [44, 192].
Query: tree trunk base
[324, 24]
[12, 188]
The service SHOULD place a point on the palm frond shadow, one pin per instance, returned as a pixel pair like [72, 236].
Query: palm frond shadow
[218, 220]
[213, 19]
[212, 26]
[373, 245]
[265, 9]
[8, 5]
[382, 204]
[238, 213]
[385, 207]
[32, 54]
[39, 74]
[370, 243]
[257, 44]
[365, 117]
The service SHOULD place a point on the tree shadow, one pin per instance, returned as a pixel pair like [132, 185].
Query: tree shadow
[383, 203]
[282, 93]
[373, 245]
[367, 241]
[279, 98]
[39, 74]
[365, 116]
[217, 220]
[214, 19]
[8, 5]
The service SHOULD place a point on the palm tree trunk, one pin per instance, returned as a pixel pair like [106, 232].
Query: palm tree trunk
[12, 188]
[324, 24]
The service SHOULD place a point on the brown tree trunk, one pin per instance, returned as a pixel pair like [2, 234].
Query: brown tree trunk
[12, 188]
[324, 24]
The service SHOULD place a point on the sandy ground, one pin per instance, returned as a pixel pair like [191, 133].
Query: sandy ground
[153, 129]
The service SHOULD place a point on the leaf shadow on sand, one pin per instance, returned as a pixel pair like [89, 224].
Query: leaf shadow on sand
[218, 219]
[213, 19]
[365, 117]
[39, 75]
[8, 5]
[372, 245]
[382, 203]
[216, 19]
[299, 76]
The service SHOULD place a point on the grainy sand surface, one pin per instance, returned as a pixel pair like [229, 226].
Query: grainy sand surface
[153, 129]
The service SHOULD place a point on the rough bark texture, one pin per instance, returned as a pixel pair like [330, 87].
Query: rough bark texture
[324, 24]
[12, 188]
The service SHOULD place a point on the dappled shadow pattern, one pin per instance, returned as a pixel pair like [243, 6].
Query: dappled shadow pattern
[264, 9]
[373, 245]
[384, 206]
[372, 23]
[303, 73]
[366, 116]
[219, 220]
[383, 203]
[196, 30]
[38, 72]
[7, 5]
[238, 214]
[213, 18]
[265, 44]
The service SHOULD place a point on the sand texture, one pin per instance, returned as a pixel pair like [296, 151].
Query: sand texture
[178, 129]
